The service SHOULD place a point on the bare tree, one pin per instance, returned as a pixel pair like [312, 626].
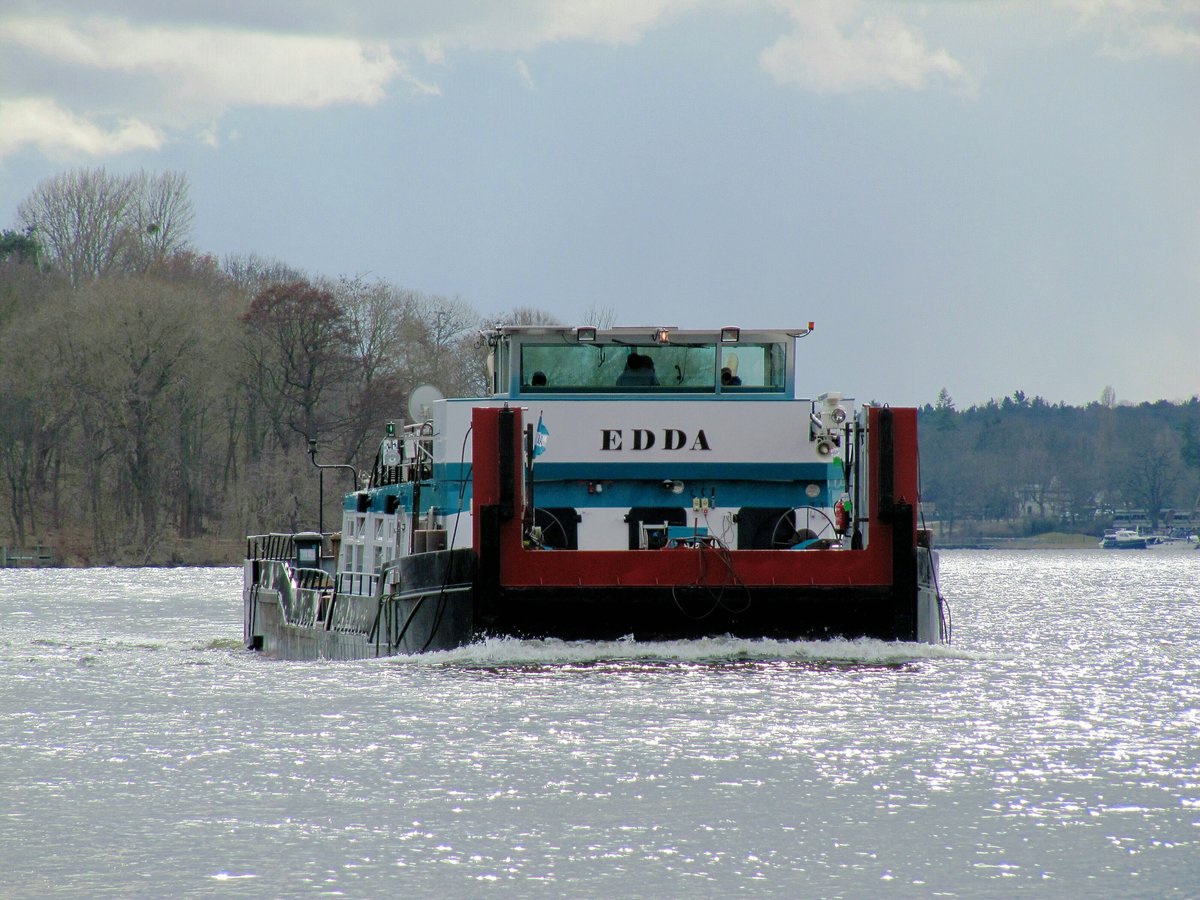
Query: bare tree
[161, 216]
[1153, 471]
[528, 315]
[82, 219]
[34, 409]
[1078, 473]
[442, 337]
[19, 427]
[376, 313]
[252, 273]
[600, 316]
[298, 344]
[375, 316]
[91, 222]
[136, 377]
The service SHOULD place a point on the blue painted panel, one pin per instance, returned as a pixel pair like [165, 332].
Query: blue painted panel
[626, 485]
[722, 471]
[721, 495]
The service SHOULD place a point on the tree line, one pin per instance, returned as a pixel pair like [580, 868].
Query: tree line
[157, 404]
[1059, 467]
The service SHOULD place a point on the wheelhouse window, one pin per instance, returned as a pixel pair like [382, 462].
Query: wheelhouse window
[752, 368]
[651, 368]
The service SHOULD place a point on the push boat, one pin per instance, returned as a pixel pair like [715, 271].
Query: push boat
[652, 483]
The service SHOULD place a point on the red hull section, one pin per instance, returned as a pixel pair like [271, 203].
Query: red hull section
[497, 507]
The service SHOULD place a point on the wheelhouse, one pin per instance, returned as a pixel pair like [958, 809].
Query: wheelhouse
[549, 361]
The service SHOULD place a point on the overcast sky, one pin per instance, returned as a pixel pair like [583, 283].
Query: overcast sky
[981, 196]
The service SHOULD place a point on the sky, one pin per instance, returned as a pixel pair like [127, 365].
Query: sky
[983, 196]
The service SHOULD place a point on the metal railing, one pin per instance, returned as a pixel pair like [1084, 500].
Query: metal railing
[360, 583]
[20, 557]
[270, 546]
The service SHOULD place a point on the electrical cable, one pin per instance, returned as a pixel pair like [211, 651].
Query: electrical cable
[462, 492]
[718, 596]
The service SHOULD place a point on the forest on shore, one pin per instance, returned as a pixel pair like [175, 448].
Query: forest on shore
[1022, 466]
[157, 404]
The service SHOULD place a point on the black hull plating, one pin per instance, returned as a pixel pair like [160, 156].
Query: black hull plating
[438, 606]
[661, 614]
[431, 609]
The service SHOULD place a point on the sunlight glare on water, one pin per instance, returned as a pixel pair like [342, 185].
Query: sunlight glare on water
[1052, 749]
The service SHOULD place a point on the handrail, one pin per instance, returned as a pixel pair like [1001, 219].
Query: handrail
[276, 545]
[14, 557]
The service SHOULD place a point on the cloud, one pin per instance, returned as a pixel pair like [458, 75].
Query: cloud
[609, 21]
[1136, 29]
[217, 67]
[137, 72]
[1165, 39]
[521, 26]
[182, 76]
[523, 72]
[209, 136]
[835, 48]
[45, 124]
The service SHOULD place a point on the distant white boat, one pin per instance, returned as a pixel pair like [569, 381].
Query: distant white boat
[1172, 544]
[1123, 539]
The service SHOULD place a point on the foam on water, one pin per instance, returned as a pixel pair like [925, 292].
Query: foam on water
[501, 652]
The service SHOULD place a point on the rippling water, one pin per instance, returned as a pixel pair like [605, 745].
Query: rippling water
[1053, 750]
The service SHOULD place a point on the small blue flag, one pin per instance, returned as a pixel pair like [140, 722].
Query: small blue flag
[540, 438]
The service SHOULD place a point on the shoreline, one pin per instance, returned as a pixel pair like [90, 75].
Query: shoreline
[210, 557]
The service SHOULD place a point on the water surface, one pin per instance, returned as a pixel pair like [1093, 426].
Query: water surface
[1053, 749]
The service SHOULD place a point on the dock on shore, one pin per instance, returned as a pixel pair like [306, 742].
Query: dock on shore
[26, 557]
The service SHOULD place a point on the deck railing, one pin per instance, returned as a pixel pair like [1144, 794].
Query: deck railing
[21, 557]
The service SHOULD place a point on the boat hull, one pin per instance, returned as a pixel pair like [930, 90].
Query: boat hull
[439, 605]
[1124, 544]
[433, 608]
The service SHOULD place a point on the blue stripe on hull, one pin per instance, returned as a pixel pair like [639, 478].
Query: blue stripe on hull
[720, 471]
[626, 484]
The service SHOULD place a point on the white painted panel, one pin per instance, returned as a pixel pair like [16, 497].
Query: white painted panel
[651, 431]
[603, 529]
